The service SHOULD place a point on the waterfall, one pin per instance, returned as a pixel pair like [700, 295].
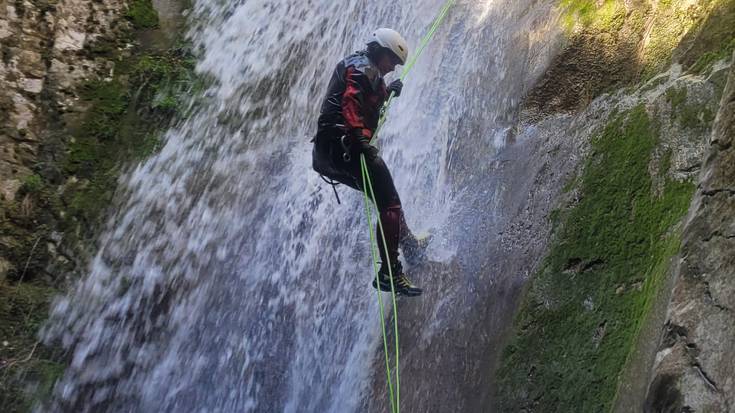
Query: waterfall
[230, 279]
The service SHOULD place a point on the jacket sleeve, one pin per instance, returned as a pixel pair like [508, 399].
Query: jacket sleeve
[353, 101]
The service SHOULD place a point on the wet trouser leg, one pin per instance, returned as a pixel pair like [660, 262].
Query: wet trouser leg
[328, 161]
[389, 206]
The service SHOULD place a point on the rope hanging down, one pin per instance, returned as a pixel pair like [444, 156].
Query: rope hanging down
[395, 399]
[412, 61]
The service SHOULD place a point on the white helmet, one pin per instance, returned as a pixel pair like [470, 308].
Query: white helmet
[393, 41]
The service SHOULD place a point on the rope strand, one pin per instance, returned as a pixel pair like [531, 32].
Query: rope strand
[374, 251]
[412, 61]
[366, 177]
[367, 185]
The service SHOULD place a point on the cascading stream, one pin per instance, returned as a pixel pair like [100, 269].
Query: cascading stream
[230, 280]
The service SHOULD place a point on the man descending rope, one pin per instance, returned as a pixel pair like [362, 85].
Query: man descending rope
[349, 116]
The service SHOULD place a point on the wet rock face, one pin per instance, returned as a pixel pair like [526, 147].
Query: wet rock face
[49, 49]
[674, 108]
[46, 53]
[617, 44]
[695, 364]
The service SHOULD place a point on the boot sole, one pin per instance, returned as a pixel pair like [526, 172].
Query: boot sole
[400, 292]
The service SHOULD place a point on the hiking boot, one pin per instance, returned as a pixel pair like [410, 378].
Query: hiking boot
[383, 280]
[414, 248]
[401, 283]
[404, 286]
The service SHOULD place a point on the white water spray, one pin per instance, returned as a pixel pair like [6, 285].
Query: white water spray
[230, 279]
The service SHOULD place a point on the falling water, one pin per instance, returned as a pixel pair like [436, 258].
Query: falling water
[230, 280]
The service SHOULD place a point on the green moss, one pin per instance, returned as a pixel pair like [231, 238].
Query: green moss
[124, 121]
[581, 315]
[610, 15]
[708, 59]
[142, 14]
[155, 67]
[32, 184]
[695, 116]
[576, 10]
[166, 103]
[150, 145]
[671, 22]
[615, 44]
[168, 74]
[121, 126]
[95, 152]
[712, 39]
[29, 369]
[555, 217]
[676, 97]
[691, 115]
[48, 372]
[108, 102]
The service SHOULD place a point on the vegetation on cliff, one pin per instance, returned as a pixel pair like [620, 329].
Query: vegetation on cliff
[122, 124]
[581, 315]
[613, 44]
[51, 225]
[583, 310]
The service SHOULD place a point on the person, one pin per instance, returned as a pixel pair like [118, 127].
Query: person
[349, 116]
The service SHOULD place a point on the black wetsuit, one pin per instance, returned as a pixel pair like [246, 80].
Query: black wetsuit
[348, 118]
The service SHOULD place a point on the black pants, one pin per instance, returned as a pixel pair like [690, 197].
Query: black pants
[327, 159]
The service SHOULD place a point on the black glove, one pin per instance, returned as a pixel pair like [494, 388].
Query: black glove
[370, 152]
[361, 144]
[395, 86]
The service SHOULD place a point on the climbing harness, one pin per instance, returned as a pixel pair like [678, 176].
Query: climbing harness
[333, 184]
[346, 148]
[345, 157]
[395, 399]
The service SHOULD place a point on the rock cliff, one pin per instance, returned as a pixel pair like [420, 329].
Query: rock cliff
[694, 368]
[585, 337]
[86, 88]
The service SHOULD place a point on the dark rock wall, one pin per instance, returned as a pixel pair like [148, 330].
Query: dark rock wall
[86, 88]
[695, 365]
[587, 331]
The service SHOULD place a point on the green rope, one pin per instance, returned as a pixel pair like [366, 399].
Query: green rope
[373, 245]
[368, 186]
[412, 61]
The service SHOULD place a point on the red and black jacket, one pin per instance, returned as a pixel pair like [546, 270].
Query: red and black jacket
[355, 95]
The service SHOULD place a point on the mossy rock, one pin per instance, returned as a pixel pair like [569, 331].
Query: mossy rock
[708, 59]
[142, 14]
[691, 115]
[580, 319]
[29, 369]
[601, 55]
[712, 39]
[72, 186]
[124, 124]
[608, 15]
[32, 184]
[615, 44]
